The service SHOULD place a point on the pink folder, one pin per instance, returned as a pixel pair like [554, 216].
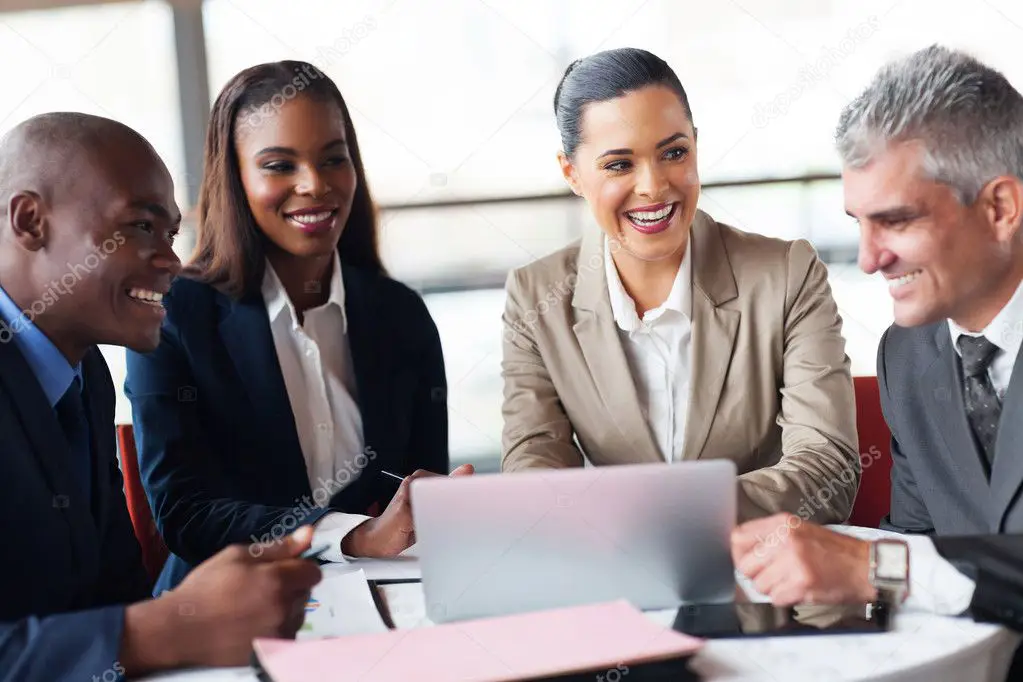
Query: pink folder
[544, 643]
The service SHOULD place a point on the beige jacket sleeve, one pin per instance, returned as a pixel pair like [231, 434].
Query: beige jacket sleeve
[537, 432]
[819, 471]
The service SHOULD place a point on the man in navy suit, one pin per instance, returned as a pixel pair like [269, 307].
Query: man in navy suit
[86, 224]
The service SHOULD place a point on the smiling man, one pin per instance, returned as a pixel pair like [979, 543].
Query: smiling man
[932, 157]
[87, 217]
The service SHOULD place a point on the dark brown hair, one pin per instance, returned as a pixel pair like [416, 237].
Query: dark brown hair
[230, 253]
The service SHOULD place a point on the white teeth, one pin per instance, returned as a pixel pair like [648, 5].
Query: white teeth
[650, 216]
[902, 281]
[310, 218]
[145, 295]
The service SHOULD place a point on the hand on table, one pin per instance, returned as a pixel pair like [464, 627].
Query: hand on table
[391, 533]
[211, 618]
[793, 561]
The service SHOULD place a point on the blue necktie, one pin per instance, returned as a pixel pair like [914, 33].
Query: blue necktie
[71, 414]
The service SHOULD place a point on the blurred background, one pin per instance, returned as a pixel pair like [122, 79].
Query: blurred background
[452, 102]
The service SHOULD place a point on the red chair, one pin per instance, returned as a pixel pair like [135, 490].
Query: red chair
[154, 551]
[874, 497]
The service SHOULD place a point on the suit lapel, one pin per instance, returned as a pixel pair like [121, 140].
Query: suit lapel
[713, 331]
[245, 332]
[1007, 472]
[367, 344]
[50, 449]
[942, 380]
[598, 338]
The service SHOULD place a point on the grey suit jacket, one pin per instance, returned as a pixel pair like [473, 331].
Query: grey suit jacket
[939, 483]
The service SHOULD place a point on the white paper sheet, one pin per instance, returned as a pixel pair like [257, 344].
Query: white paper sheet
[341, 604]
[404, 567]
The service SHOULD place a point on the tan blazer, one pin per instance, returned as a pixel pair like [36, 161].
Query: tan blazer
[770, 385]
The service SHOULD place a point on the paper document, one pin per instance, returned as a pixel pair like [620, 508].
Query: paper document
[523, 646]
[341, 604]
[403, 567]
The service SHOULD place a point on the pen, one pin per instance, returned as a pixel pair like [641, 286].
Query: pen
[314, 552]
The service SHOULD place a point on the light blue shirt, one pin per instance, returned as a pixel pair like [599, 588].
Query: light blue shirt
[49, 365]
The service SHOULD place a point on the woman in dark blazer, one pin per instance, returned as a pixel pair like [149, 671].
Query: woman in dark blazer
[291, 371]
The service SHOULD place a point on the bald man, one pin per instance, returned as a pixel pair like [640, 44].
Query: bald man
[87, 218]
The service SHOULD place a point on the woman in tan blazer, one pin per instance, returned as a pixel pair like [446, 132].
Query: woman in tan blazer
[667, 336]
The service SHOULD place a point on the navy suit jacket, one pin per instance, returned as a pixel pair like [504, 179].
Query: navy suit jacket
[70, 567]
[219, 452]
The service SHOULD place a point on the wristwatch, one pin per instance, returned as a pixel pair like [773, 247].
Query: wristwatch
[889, 570]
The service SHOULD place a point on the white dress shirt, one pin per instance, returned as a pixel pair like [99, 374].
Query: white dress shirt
[316, 362]
[658, 349]
[936, 585]
[1006, 332]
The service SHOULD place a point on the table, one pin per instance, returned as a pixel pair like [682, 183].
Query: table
[922, 648]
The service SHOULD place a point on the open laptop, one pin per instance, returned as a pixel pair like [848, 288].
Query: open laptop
[654, 534]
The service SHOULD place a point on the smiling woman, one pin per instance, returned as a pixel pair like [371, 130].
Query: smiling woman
[682, 338]
[292, 371]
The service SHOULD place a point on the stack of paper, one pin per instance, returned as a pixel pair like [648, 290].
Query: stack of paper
[597, 637]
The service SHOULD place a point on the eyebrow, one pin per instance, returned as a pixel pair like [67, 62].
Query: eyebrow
[663, 143]
[157, 210]
[888, 214]
[339, 142]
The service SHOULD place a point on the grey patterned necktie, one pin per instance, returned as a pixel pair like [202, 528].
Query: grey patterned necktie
[983, 408]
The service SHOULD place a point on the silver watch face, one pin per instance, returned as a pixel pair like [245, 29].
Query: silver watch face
[892, 561]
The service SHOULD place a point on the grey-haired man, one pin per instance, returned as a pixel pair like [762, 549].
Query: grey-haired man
[932, 156]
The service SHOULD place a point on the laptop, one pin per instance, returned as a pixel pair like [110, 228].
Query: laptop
[654, 534]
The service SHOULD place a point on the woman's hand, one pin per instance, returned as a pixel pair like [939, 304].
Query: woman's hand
[391, 533]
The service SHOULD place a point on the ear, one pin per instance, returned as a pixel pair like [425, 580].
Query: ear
[1003, 205]
[568, 170]
[26, 215]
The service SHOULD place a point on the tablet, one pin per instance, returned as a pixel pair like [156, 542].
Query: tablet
[717, 621]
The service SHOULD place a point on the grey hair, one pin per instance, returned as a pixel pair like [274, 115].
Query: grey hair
[967, 116]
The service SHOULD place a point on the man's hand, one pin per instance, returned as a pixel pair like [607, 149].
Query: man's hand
[241, 593]
[391, 533]
[793, 561]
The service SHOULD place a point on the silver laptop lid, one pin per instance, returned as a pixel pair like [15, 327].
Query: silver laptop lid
[655, 534]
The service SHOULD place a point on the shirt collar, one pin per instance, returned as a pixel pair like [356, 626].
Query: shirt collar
[48, 364]
[276, 298]
[1005, 330]
[624, 308]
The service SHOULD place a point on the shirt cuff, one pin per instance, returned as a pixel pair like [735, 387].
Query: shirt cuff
[331, 530]
[935, 584]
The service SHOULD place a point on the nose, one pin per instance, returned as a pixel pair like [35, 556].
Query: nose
[311, 182]
[164, 258]
[650, 181]
[873, 255]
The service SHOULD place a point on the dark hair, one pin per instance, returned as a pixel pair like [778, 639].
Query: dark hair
[604, 76]
[230, 253]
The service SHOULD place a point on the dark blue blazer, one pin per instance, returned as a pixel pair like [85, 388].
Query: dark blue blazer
[69, 567]
[218, 448]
